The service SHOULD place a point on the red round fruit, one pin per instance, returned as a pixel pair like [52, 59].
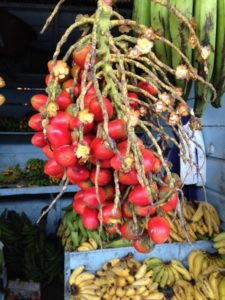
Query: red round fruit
[142, 211]
[104, 176]
[123, 145]
[77, 174]
[178, 182]
[149, 160]
[133, 103]
[147, 87]
[78, 204]
[113, 228]
[58, 136]
[139, 196]
[142, 244]
[157, 166]
[84, 185]
[37, 101]
[171, 197]
[116, 163]
[108, 213]
[90, 218]
[117, 129]
[100, 149]
[158, 230]
[65, 156]
[62, 119]
[104, 164]
[75, 123]
[110, 192]
[87, 99]
[127, 208]
[35, 122]
[129, 178]
[52, 168]
[48, 151]
[63, 100]
[90, 197]
[95, 108]
[74, 70]
[128, 230]
[68, 85]
[91, 90]
[38, 139]
[80, 55]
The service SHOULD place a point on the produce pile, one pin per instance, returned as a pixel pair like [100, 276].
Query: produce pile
[126, 278]
[33, 175]
[107, 89]
[201, 222]
[40, 255]
[208, 20]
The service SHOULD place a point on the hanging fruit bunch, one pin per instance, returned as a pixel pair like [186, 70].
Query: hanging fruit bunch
[108, 87]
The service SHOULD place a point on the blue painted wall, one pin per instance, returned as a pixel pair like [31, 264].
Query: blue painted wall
[214, 137]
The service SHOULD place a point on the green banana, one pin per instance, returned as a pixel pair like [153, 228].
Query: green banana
[180, 37]
[219, 237]
[160, 23]
[206, 21]
[141, 12]
[118, 243]
[219, 64]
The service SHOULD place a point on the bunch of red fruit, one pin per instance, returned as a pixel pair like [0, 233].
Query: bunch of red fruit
[58, 136]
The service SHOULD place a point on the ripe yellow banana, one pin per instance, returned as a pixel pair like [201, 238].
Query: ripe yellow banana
[83, 277]
[155, 296]
[191, 258]
[121, 281]
[119, 271]
[177, 265]
[222, 289]
[199, 213]
[93, 243]
[75, 273]
[141, 271]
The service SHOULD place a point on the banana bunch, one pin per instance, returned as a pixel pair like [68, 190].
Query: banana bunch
[77, 238]
[219, 243]
[126, 278]
[167, 274]
[201, 219]
[199, 261]
[82, 285]
[183, 290]
[209, 285]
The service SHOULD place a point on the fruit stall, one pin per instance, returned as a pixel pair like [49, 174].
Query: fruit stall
[112, 160]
